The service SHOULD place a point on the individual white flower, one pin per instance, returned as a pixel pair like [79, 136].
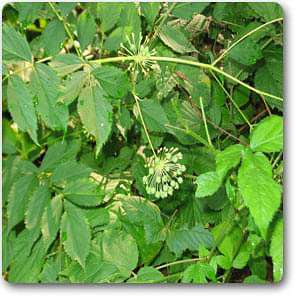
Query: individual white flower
[165, 172]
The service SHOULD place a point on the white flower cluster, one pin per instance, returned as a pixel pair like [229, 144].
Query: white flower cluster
[140, 51]
[164, 173]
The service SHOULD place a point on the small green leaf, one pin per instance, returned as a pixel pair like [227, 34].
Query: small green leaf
[86, 29]
[50, 221]
[198, 273]
[84, 192]
[69, 171]
[276, 250]
[113, 80]
[20, 104]
[228, 159]
[247, 52]
[96, 114]
[44, 85]
[150, 10]
[147, 275]
[187, 10]
[19, 195]
[120, 249]
[207, 184]
[14, 45]
[53, 37]
[75, 233]
[268, 11]
[262, 195]
[109, 14]
[189, 238]
[58, 153]
[154, 115]
[175, 39]
[37, 203]
[267, 136]
[65, 64]
[72, 87]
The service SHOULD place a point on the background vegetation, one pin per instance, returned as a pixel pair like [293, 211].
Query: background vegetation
[91, 92]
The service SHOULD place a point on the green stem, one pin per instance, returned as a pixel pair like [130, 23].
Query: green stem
[243, 37]
[139, 58]
[143, 122]
[183, 261]
[205, 123]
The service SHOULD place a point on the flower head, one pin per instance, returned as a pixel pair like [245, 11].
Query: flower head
[164, 173]
[140, 50]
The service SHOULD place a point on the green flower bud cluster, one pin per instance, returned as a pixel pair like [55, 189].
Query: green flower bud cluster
[165, 173]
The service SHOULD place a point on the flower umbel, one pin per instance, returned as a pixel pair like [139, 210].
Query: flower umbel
[140, 50]
[164, 173]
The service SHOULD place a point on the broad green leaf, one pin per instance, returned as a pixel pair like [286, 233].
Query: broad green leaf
[242, 257]
[66, 7]
[198, 273]
[65, 64]
[86, 29]
[276, 250]
[120, 249]
[19, 195]
[113, 80]
[267, 136]
[21, 107]
[247, 52]
[96, 270]
[14, 45]
[9, 138]
[58, 153]
[268, 11]
[118, 36]
[44, 84]
[147, 275]
[72, 87]
[130, 17]
[109, 14]
[96, 114]
[98, 216]
[184, 238]
[187, 10]
[154, 115]
[26, 269]
[207, 184]
[28, 13]
[75, 233]
[84, 192]
[254, 279]
[13, 169]
[50, 270]
[228, 159]
[231, 243]
[53, 37]
[269, 77]
[140, 212]
[261, 194]
[36, 206]
[69, 171]
[50, 221]
[150, 10]
[175, 39]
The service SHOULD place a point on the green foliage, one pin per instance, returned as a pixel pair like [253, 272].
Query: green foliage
[102, 101]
